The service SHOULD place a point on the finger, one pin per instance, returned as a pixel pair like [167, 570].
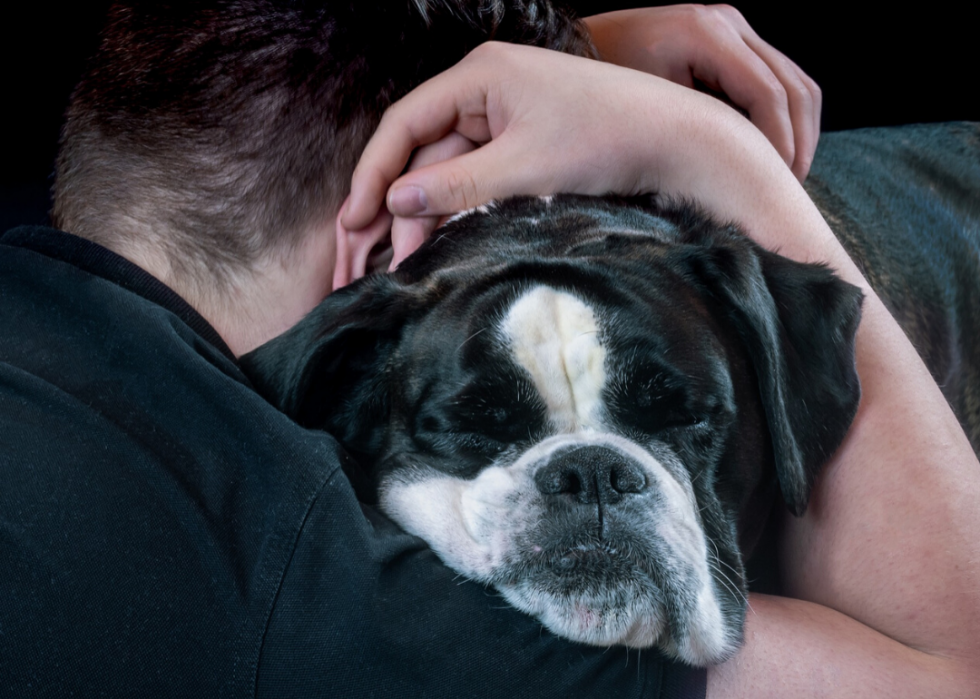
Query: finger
[817, 102]
[804, 112]
[802, 93]
[805, 157]
[817, 94]
[411, 201]
[452, 186]
[756, 89]
[383, 160]
[454, 99]
[449, 146]
[407, 234]
[738, 71]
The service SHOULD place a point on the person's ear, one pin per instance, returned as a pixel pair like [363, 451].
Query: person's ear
[355, 248]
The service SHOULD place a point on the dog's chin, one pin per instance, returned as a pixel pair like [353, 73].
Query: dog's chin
[612, 615]
[622, 617]
[596, 596]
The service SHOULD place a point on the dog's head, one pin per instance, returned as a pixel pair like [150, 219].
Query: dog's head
[580, 401]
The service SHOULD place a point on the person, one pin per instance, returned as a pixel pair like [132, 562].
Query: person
[164, 531]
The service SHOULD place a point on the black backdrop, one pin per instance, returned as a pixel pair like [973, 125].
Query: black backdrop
[876, 68]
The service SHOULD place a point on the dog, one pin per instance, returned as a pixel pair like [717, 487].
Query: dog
[591, 403]
[584, 403]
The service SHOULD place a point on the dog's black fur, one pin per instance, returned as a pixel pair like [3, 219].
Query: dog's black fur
[378, 364]
[796, 322]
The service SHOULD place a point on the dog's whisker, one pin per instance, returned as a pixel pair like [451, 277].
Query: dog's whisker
[469, 338]
[733, 592]
[718, 558]
[715, 564]
[733, 570]
[729, 584]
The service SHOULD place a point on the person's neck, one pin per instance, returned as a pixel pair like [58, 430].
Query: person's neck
[264, 301]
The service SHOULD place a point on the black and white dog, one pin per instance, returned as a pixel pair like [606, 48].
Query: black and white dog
[585, 403]
[591, 403]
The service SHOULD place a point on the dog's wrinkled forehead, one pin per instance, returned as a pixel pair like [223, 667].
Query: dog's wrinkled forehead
[537, 332]
[526, 269]
[540, 228]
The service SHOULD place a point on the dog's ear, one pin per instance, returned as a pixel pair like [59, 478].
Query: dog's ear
[327, 372]
[798, 322]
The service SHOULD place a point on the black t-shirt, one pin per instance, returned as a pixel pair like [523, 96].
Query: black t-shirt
[166, 532]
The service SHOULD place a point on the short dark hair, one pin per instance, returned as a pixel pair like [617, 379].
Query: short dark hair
[224, 128]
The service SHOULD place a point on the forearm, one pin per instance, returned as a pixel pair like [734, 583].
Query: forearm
[799, 649]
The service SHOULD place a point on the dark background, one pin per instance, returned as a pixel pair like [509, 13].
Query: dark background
[876, 68]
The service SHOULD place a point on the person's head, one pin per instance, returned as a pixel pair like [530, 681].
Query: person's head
[209, 139]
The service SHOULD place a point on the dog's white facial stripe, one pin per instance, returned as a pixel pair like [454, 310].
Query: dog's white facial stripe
[555, 337]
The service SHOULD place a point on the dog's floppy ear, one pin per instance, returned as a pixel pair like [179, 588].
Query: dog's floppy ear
[327, 372]
[798, 322]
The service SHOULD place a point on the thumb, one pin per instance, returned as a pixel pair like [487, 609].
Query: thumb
[492, 171]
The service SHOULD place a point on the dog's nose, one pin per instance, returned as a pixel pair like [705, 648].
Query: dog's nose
[591, 475]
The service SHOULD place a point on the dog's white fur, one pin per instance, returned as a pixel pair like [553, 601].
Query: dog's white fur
[554, 336]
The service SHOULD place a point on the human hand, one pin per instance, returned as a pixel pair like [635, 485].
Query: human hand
[715, 45]
[550, 123]
[360, 252]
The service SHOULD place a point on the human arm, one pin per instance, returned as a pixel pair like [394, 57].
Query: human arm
[878, 613]
[682, 43]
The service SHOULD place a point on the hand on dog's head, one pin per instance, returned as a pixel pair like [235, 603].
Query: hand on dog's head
[579, 401]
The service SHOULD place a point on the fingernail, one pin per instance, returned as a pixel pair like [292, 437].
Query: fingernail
[407, 201]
